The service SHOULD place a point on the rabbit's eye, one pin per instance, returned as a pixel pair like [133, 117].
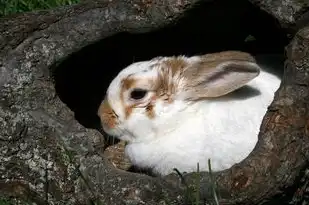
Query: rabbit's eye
[138, 94]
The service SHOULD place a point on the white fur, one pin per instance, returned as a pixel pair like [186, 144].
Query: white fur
[182, 134]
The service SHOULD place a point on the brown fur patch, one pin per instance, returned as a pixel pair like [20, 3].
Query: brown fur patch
[175, 64]
[164, 89]
[216, 58]
[107, 115]
[166, 82]
[126, 84]
[210, 61]
[150, 111]
[128, 111]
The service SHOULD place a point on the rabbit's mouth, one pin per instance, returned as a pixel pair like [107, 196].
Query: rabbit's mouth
[113, 132]
[117, 132]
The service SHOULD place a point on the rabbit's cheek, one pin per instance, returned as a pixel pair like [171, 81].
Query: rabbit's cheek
[128, 111]
[108, 118]
[148, 106]
[150, 111]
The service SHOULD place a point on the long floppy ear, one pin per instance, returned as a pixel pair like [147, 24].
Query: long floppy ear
[217, 74]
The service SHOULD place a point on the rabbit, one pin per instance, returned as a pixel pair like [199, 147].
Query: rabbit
[180, 111]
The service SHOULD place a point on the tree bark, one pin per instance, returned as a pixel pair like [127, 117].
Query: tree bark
[47, 157]
[292, 15]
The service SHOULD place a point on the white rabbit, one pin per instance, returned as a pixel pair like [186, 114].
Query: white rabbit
[175, 112]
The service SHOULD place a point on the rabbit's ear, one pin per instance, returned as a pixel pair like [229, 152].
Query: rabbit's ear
[214, 75]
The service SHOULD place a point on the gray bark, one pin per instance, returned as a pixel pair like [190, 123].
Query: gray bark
[292, 15]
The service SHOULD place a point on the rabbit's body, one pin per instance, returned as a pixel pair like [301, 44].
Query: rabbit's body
[181, 133]
[223, 130]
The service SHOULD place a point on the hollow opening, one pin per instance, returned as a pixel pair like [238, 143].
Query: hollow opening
[81, 79]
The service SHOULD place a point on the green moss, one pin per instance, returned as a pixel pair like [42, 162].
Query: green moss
[11, 201]
[18, 6]
[5, 201]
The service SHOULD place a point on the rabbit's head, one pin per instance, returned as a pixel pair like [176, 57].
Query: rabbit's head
[146, 95]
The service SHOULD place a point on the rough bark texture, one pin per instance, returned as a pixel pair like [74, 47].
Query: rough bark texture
[47, 157]
[291, 14]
